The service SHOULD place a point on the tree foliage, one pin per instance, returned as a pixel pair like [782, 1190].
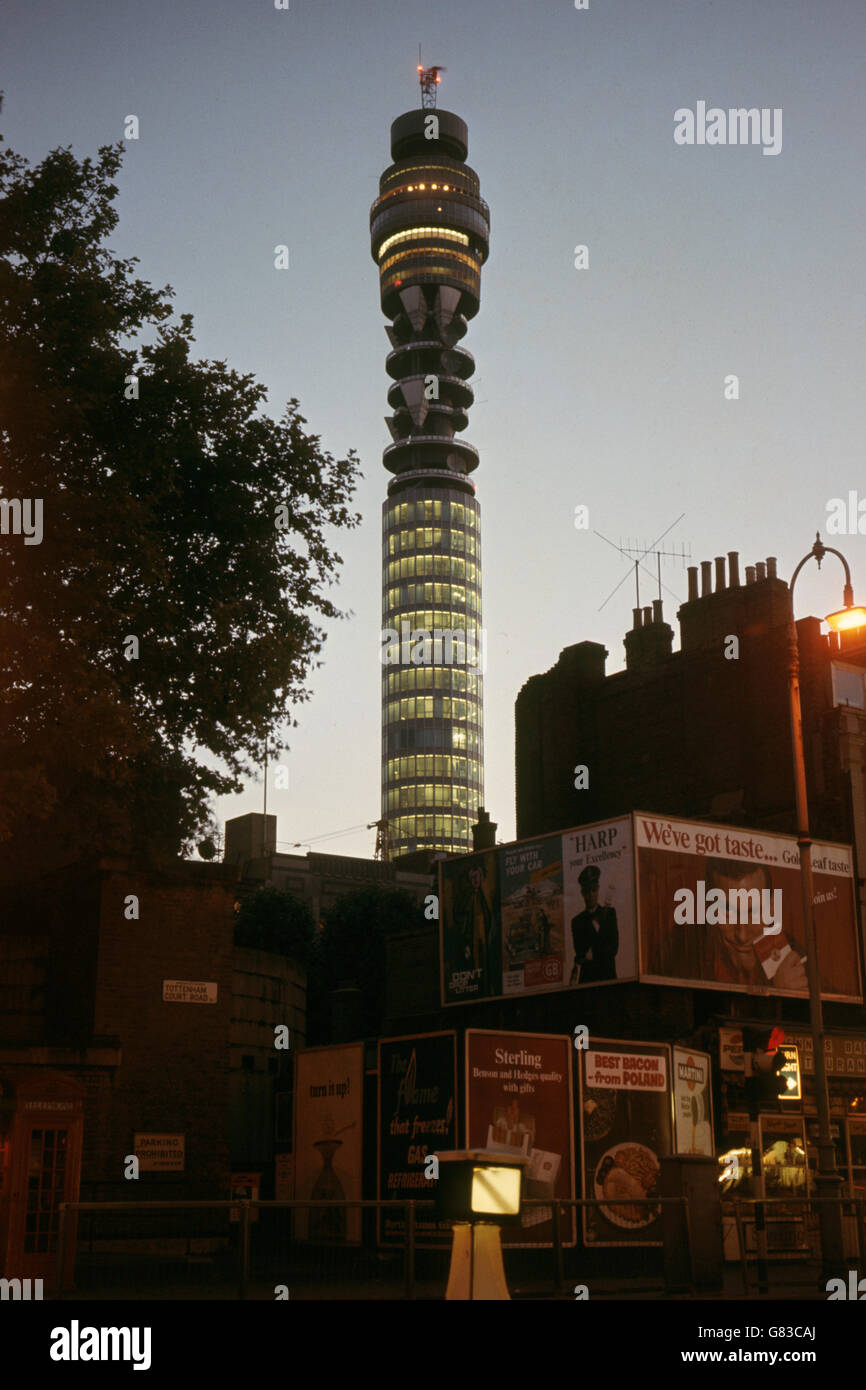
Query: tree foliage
[351, 950]
[270, 920]
[159, 523]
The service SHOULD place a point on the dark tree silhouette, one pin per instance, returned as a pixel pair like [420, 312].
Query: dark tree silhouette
[350, 950]
[175, 512]
[270, 920]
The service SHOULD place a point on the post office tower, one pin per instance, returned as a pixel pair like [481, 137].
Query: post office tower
[429, 233]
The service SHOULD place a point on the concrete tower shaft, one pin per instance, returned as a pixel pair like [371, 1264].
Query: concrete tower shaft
[429, 235]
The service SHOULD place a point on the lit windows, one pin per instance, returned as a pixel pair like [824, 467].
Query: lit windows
[439, 252]
[424, 233]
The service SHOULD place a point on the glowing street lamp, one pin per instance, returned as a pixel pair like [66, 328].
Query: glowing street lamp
[479, 1191]
[828, 1180]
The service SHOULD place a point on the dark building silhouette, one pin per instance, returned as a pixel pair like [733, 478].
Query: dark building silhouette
[694, 732]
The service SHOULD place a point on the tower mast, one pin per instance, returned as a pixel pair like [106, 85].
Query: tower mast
[429, 235]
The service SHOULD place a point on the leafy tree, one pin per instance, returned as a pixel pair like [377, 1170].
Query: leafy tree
[350, 950]
[270, 920]
[175, 512]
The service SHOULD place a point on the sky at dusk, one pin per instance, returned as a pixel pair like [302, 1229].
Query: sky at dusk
[602, 386]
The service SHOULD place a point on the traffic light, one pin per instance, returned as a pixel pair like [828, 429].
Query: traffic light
[765, 1061]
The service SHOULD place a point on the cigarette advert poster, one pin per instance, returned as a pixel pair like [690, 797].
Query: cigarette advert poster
[625, 1130]
[731, 885]
[417, 1117]
[519, 1102]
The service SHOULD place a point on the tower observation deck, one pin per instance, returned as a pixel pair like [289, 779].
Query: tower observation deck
[429, 235]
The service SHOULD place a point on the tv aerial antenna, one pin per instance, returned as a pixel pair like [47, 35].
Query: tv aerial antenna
[429, 79]
[637, 553]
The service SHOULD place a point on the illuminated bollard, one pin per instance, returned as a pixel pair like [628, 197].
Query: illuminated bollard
[480, 1192]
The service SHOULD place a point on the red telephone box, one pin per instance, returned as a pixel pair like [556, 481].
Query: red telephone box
[41, 1128]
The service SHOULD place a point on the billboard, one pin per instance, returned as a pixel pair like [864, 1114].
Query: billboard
[329, 1083]
[693, 1102]
[470, 928]
[519, 1102]
[721, 907]
[625, 1129]
[417, 1117]
[599, 901]
[555, 912]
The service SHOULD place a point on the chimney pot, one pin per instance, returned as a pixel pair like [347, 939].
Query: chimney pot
[720, 573]
[657, 611]
[750, 574]
[761, 570]
[733, 569]
[706, 577]
[647, 616]
[771, 567]
[693, 582]
[637, 618]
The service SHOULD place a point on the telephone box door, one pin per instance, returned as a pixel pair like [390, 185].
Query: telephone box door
[43, 1125]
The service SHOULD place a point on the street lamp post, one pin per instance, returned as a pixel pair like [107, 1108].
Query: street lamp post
[829, 1180]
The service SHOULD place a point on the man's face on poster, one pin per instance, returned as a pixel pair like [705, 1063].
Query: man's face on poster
[738, 938]
[476, 877]
[590, 897]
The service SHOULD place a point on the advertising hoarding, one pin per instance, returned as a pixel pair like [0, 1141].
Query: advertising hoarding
[625, 1129]
[519, 1102]
[470, 928]
[328, 1132]
[693, 1102]
[417, 1117]
[599, 903]
[689, 937]
[555, 912]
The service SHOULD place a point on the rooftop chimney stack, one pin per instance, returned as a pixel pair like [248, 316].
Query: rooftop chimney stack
[733, 569]
[706, 577]
[771, 567]
[693, 582]
[750, 574]
[720, 573]
[484, 831]
[760, 570]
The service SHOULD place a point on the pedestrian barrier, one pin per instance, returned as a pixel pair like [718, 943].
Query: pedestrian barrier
[253, 1249]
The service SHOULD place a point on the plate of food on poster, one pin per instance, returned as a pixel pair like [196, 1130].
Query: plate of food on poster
[628, 1175]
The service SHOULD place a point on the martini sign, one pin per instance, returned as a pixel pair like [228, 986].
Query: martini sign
[693, 1102]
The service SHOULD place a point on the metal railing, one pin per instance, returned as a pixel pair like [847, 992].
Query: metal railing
[776, 1211]
[558, 1208]
[562, 1236]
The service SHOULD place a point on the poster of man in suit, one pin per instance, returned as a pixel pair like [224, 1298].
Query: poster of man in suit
[598, 881]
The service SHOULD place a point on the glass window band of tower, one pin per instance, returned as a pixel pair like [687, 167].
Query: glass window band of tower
[430, 212]
[448, 680]
[460, 178]
[452, 567]
[429, 234]
[432, 715]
